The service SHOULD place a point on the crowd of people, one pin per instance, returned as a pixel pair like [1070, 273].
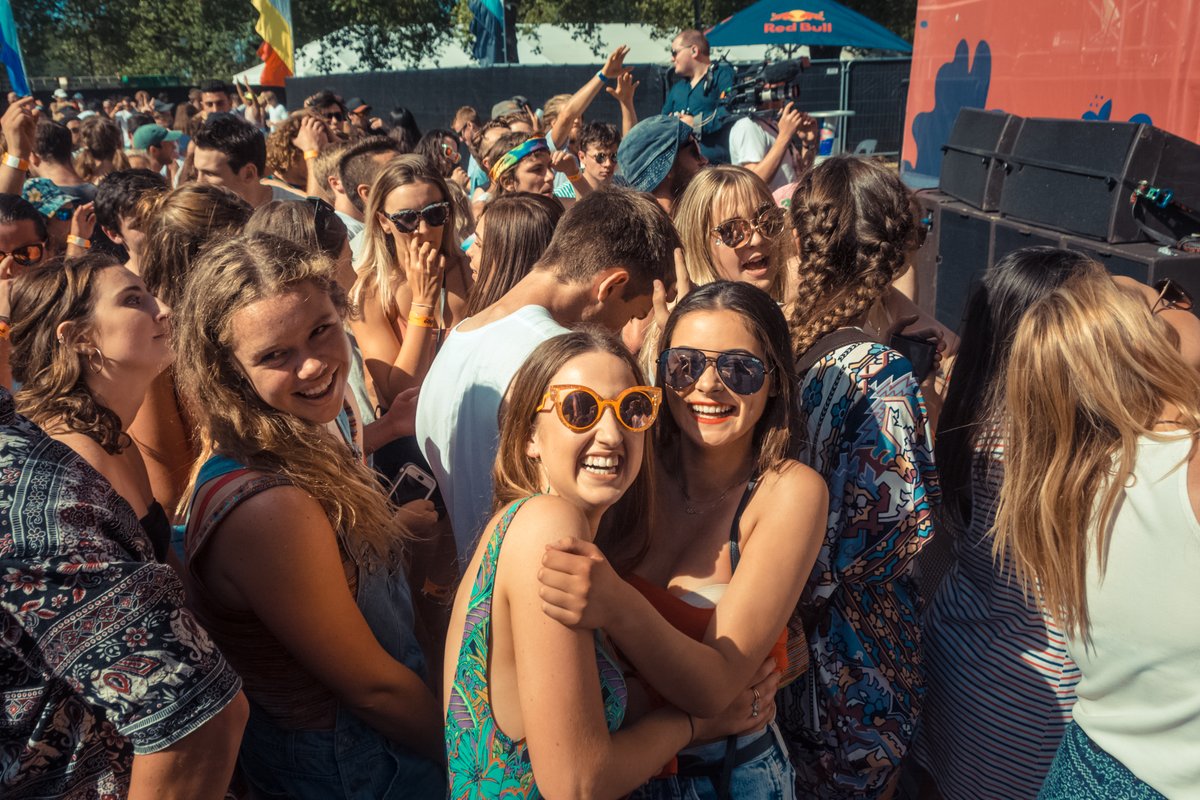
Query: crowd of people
[342, 460]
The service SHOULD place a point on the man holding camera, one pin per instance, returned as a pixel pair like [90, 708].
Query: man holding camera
[778, 151]
[696, 98]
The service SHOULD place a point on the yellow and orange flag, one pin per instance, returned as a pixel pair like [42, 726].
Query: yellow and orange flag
[278, 50]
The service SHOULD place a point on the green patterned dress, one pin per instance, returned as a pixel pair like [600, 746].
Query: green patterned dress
[483, 762]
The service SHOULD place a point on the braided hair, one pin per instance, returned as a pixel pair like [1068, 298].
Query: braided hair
[854, 226]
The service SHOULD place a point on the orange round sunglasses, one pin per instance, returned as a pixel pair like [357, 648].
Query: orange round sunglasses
[580, 408]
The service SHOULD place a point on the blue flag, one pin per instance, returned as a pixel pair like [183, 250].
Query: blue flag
[10, 50]
[487, 26]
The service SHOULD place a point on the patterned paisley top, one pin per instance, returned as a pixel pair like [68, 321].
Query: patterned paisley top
[483, 762]
[850, 720]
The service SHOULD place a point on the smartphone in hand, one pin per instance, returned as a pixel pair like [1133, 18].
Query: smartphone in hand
[920, 352]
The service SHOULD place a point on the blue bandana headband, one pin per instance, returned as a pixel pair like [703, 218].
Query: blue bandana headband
[510, 159]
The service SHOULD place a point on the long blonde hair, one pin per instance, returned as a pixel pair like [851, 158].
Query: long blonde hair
[378, 268]
[695, 216]
[1089, 373]
[236, 422]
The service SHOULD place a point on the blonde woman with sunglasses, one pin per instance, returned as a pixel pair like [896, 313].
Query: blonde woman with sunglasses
[736, 533]
[413, 278]
[535, 708]
[731, 230]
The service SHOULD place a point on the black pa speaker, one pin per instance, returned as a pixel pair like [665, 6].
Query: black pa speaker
[1143, 261]
[973, 166]
[1079, 176]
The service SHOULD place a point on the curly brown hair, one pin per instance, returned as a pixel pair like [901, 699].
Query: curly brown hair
[282, 155]
[51, 371]
[854, 227]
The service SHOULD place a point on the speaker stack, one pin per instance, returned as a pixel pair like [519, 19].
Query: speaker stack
[1126, 194]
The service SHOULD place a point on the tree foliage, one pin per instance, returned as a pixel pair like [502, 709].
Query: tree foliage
[200, 38]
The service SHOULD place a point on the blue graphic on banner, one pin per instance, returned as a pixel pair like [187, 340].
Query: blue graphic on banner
[487, 26]
[10, 50]
[960, 84]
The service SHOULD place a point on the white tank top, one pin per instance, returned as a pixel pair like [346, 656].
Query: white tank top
[1139, 695]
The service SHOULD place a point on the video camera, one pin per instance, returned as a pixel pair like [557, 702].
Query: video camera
[764, 88]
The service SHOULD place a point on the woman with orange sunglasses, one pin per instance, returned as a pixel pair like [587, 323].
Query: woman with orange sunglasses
[534, 707]
[737, 526]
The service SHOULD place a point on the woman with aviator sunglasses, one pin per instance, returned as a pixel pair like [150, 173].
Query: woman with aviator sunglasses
[736, 532]
[535, 708]
[413, 279]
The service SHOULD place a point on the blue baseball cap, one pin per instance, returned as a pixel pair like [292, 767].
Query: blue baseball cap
[648, 151]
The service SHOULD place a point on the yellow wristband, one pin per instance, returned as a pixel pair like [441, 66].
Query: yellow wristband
[576, 178]
[5, 330]
[309, 155]
[422, 320]
[79, 241]
[16, 163]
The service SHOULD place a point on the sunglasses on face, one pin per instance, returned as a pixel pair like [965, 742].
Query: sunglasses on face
[1171, 296]
[26, 254]
[579, 408]
[735, 232]
[434, 214]
[681, 367]
[603, 158]
[450, 152]
[333, 116]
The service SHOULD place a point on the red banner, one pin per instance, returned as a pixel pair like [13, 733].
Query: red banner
[1117, 59]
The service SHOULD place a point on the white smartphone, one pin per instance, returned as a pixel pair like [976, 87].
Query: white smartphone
[413, 480]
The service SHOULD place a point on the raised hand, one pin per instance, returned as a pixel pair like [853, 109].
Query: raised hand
[614, 65]
[790, 121]
[626, 86]
[423, 267]
[83, 221]
[663, 300]
[564, 162]
[313, 135]
[19, 124]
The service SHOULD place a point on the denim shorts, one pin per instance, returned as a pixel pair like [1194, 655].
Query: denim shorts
[767, 776]
[352, 761]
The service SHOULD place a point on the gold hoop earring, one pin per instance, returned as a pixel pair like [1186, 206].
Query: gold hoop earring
[94, 353]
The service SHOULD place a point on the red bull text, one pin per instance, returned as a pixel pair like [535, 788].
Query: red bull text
[798, 20]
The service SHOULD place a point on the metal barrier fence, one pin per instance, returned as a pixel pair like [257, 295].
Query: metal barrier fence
[876, 90]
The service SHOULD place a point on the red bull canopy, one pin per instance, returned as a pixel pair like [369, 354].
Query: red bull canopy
[810, 22]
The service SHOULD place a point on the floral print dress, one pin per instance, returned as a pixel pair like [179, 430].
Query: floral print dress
[483, 762]
[849, 721]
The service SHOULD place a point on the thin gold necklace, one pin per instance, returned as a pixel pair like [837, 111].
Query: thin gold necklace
[691, 508]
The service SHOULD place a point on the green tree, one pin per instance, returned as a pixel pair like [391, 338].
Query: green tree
[202, 38]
